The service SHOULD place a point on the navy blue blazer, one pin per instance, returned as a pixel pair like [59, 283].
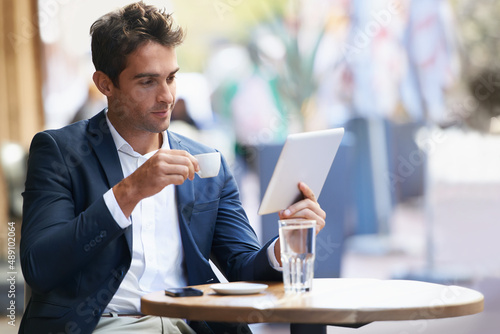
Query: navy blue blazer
[74, 255]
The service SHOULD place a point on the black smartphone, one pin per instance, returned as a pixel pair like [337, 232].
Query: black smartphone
[183, 292]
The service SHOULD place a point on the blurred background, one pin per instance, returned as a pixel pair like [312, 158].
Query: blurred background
[414, 192]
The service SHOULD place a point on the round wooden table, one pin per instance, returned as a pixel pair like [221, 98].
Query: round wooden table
[340, 302]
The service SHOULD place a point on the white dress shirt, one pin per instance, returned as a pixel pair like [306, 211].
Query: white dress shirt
[157, 253]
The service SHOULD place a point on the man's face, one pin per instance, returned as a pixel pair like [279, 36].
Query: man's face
[146, 96]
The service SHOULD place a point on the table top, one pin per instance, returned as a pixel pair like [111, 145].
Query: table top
[341, 301]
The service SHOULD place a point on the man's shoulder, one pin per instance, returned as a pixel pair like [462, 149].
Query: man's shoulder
[79, 130]
[72, 128]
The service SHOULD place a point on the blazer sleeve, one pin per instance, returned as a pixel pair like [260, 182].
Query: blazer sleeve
[56, 240]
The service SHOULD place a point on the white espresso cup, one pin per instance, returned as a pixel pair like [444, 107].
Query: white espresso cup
[209, 164]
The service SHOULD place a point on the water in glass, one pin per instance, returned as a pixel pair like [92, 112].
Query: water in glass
[297, 254]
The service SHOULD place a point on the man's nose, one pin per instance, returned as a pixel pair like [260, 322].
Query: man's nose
[166, 94]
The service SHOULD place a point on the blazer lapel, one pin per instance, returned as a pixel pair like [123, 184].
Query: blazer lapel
[104, 147]
[185, 191]
[101, 140]
[198, 268]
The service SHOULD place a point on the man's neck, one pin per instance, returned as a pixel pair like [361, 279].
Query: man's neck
[141, 142]
[145, 143]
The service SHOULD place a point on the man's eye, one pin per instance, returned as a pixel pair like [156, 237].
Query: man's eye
[147, 82]
[171, 78]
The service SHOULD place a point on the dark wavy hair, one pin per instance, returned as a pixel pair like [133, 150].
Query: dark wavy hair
[119, 33]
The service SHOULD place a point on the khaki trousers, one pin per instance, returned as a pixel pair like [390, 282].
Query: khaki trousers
[144, 325]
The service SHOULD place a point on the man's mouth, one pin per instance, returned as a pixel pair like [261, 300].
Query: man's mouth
[161, 113]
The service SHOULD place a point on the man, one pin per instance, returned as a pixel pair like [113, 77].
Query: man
[112, 206]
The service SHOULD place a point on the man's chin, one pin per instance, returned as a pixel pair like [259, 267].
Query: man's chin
[163, 127]
[156, 127]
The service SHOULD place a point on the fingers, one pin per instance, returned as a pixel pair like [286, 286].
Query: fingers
[178, 162]
[308, 203]
[306, 191]
[164, 168]
[305, 209]
[308, 208]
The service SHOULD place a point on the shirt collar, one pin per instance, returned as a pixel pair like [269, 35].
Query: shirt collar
[124, 147]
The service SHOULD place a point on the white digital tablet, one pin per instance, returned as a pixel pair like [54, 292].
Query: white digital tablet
[305, 157]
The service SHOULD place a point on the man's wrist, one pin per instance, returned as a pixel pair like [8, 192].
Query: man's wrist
[271, 255]
[115, 210]
[126, 197]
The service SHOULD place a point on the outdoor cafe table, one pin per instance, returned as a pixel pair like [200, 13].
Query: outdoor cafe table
[332, 301]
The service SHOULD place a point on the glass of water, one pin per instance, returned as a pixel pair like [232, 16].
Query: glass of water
[298, 247]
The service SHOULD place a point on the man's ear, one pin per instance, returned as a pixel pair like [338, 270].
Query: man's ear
[103, 83]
